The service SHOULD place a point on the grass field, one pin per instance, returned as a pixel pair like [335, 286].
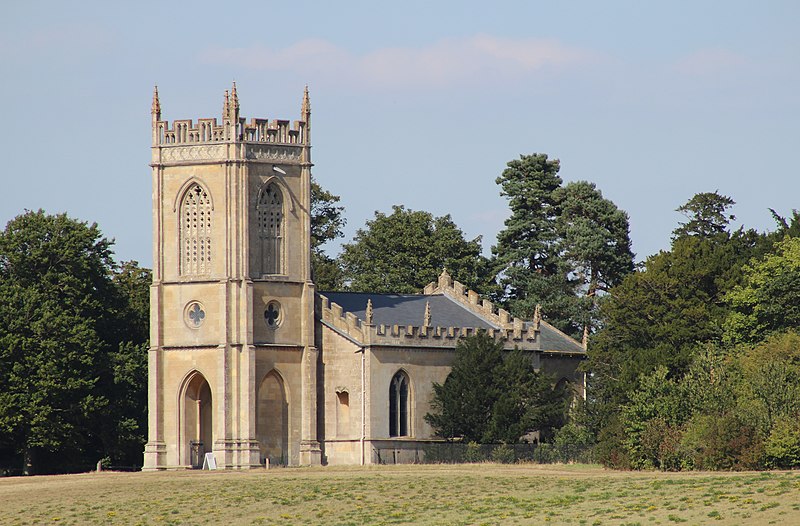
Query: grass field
[465, 494]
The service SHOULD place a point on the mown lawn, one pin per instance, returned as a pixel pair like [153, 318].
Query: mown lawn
[466, 494]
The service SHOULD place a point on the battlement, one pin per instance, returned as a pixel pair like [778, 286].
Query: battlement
[472, 301]
[365, 332]
[233, 127]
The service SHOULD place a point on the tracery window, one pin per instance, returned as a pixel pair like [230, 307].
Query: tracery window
[270, 229]
[398, 405]
[195, 228]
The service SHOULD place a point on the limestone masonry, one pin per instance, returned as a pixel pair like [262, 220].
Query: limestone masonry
[247, 360]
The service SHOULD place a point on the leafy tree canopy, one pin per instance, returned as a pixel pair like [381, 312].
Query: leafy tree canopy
[492, 395]
[66, 316]
[561, 245]
[768, 300]
[326, 225]
[405, 250]
[660, 315]
[707, 214]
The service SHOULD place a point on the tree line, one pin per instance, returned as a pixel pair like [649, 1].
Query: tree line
[692, 359]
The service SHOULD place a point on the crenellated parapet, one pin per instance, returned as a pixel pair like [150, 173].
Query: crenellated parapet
[210, 138]
[472, 301]
[184, 131]
[516, 334]
[346, 323]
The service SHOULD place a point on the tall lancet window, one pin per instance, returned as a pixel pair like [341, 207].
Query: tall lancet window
[398, 405]
[195, 231]
[270, 229]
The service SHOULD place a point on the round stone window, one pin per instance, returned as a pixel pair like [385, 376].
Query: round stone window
[273, 315]
[194, 314]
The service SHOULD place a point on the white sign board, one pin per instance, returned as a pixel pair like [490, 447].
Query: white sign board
[209, 462]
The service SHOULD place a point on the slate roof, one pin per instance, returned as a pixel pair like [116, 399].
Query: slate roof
[408, 309]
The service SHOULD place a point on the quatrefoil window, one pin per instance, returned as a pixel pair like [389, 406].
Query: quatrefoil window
[273, 314]
[194, 314]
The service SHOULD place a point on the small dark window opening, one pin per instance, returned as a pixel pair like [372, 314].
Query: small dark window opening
[398, 405]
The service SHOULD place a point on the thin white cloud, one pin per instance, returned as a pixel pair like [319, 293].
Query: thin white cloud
[67, 44]
[443, 63]
[710, 62]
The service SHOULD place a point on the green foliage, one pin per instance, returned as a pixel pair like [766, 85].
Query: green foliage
[572, 442]
[707, 215]
[561, 245]
[503, 454]
[494, 396]
[326, 225]
[768, 300]
[665, 313]
[657, 400]
[594, 236]
[474, 453]
[404, 251]
[714, 442]
[70, 368]
[527, 253]
[782, 446]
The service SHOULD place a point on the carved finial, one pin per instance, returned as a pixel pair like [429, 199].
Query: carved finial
[537, 314]
[445, 280]
[235, 99]
[585, 341]
[155, 109]
[225, 106]
[426, 322]
[368, 314]
[305, 109]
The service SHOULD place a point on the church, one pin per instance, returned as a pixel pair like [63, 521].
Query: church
[247, 360]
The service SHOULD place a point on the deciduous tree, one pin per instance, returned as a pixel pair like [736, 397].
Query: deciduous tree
[406, 250]
[55, 281]
[326, 225]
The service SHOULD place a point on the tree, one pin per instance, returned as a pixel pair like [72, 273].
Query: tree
[404, 251]
[707, 214]
[595, 240]
[326, 225]
[125, 424]
[54, 283]
[768, 300]
[494, 395]
[527, 255]
[665, 312]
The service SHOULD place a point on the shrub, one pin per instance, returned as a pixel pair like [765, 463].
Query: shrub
[572, 443]
[503, 454]
[474, 453]
[717, 442]
[782, 446]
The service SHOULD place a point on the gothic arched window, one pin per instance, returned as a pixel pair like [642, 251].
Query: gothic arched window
[270, 229]
[195, 231]
[398, 405]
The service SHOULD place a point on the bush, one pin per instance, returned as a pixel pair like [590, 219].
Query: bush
[573, 443]
[503, 454]
[474, 453]
[717, 442]
[782, 446]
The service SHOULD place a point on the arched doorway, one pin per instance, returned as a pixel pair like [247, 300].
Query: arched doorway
[272, 420]
[198, 428]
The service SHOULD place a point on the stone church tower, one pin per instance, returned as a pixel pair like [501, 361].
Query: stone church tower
[232, 359]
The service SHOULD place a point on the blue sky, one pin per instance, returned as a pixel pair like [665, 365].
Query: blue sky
[414, 103]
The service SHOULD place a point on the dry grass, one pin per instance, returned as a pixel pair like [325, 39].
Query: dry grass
[468, 494]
